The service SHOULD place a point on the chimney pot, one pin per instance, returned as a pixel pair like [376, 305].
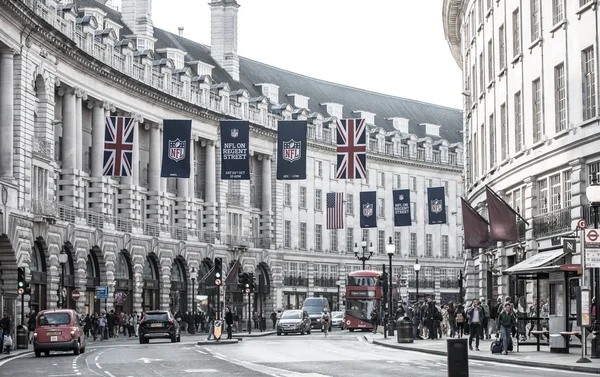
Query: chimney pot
[181, 31]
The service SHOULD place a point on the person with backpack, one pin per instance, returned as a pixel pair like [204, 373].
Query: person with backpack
[325, 321]
[506, 321]
[461, 317]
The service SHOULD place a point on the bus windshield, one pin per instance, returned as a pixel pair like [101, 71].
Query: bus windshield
[362, 281]
[360, 309]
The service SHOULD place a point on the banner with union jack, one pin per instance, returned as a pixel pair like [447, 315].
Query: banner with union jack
[118, 146]
[351, 149]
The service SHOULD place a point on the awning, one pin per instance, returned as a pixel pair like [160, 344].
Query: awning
[541, 262]
[233, 272]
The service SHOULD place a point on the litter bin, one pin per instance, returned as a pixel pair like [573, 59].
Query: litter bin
[22, 338]
[404, 330]
[458, 358]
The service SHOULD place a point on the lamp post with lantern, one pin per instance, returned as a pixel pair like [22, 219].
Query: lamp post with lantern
[363, 258]
[390, 249]
[592, 193]
[62, 259]
[417, 268]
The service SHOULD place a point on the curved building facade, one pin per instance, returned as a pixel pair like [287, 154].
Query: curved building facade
[531, 124]
[64, 67]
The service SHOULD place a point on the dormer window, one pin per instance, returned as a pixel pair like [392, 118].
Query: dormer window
[99, 17]
[204, 69]
[271, 91]
[400, 124]
[334, 109]
[141, 44]
[177, 58]
[367, 116]
[300, 101]
[431, 129]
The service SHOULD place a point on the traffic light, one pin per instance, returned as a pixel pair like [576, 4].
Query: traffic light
[250, 284]
[21, 280]
[242, 280]
[218, 271]
[27, 288]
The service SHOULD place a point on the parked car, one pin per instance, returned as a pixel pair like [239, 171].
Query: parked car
[293, 321]
[58, 330]
[157, 324]
[337, 319]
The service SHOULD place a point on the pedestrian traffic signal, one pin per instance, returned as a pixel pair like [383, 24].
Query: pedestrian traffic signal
[218, 271]
[21, 280]
[251, 282]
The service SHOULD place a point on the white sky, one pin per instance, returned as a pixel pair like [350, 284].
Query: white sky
[395, 47]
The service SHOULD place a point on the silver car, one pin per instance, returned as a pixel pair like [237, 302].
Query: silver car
[293, 321]
[337, 319]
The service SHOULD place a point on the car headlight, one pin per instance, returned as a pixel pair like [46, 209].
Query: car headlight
[299, 323]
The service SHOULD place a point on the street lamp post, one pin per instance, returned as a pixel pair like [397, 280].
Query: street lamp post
[417, 268]
[193, 276]
[363, 258]
[390, 249]
[62, 259]
[593, 195]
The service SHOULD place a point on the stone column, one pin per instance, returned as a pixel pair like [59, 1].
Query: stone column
[154, 163]
[79, 97]
[98, 127]
[266, 184]
[210, 184]
[6, 113]
[69, 134]
[529, 211]
[191, 182]
[133, 180]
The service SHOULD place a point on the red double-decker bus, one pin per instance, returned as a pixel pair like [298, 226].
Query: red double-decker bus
[363, 294]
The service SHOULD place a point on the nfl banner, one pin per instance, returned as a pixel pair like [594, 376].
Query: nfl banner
[235, 153]
[118, 147]
[402, 215]
[368, 211]
[177, 134]
[291, 149]
[436, 205]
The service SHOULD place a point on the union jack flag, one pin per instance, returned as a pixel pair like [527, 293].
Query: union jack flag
[335, 210]
[118, 146]
[351, 149]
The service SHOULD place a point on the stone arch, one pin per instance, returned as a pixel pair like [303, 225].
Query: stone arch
[179, 294]
[68, 276]
[38, 280]
[123, 292]
[151, 275]
[263, 300]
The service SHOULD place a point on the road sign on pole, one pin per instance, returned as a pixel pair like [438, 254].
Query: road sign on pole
[592, 239]
[75, 295]
[581, 224]
[101, 292]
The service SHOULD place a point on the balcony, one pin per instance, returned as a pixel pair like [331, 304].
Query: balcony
[295, 281]
[449, 283]
[262, 242]
[552, 223]
[321, 281]
[236, 240]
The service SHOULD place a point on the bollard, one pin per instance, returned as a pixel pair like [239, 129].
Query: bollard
[458, 357]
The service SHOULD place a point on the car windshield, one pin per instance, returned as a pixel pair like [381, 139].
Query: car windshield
[291, 315]
[313, 309]
[156, 317]
[54, 319]
[360, 309]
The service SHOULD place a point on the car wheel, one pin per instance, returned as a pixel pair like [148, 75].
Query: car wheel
[46, 353]
[351, 330]
[83, 350]
[278, 333]
[77, 350]
[38, 353]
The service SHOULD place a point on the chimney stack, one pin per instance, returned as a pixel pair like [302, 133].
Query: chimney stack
[181, 31]
[137, 15]
[223, 35]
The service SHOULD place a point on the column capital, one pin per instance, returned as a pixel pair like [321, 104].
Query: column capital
[7, 52]
[207, 143]
[61, 91]
[94, 103]
[57, 82]
[530, 180]
[151, 125]
[195, 137]
[577, 163]
[80, 93]
[108, 106]
[137, 117]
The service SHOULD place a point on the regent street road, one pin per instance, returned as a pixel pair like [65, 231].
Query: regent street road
[341, 354]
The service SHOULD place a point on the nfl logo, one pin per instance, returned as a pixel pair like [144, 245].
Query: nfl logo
[368, 209]
[291, 150]
[401, 197]
[176, 150]
[234, 132]
[436, 206]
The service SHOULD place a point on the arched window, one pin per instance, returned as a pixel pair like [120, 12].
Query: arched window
[176, 272]
[122, 267]
[149, 272]
[36, 264]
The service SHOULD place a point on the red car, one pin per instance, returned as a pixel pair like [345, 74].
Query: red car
[58, 330]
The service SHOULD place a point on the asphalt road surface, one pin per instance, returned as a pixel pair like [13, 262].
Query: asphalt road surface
[341, 354]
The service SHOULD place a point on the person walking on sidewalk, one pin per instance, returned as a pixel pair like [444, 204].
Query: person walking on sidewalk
[416, 319]
[210, 317]
[486, 319]
[5, 324]
[274, 319]
[506, 321]
[229, 322]
[475, 316]
[31, 325]
[461, 319]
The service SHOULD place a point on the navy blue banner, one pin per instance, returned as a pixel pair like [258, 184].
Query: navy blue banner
[291, 149]
[402, 215]
[368, 209]
[235, 153]
[176, 148]
[436, 205]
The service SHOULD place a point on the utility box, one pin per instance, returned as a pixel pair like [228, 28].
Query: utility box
[458, 357]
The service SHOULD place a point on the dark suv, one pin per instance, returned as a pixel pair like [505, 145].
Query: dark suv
[158, 324]
[293, 321]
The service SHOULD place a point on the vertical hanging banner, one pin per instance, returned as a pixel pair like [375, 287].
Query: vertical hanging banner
[402, 215]
[436, 205]
[118, 147]
[235, 153]
[291, 149]
[368, 210]
[177, 134]
[351, 149]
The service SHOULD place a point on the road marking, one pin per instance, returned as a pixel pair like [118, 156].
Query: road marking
[96, 358]
[202, 352]
[109, 374]
[220, 355]
[201, 371]
[98, 365]
[147, 360]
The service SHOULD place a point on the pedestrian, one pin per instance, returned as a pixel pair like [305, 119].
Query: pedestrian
[416, 320]
[493, 317]
[210, 317]
[475, 318]
[486, 318]
[274, 319]
[461, 318]
[102, 322]
[87, 325]
[5, 324]
[374, 319]
[431, 315]
[31, 325]
[506, 321]
[228, 322]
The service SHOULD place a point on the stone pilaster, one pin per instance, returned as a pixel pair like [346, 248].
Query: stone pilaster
[6, 113]
[530, 211]
[165, 283]
[100, 185]
[69, 134]
[210, 190]
[266, 215]
[80, 96]
[138, 284]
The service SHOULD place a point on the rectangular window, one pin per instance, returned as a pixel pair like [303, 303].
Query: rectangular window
[334, 240]
[583, 2]
[349, 240]
[542, 196]
[589, 84]
[413, 244]
[536, 98]
[350, 204]
[475, 155]
[318, 237]
[302, 196]
[318, 168]
[474, 80]
[516, 22]
[445, 252]
[381, 208]
[413, 183]
[483, 151]
[535, 20]
[381, 179]
[397, 181]
[555, 187]
[558, 11]
[287, 234]
[567, 189]
[318, 200]
[501, 48]
[593, 170]
[504, 131]
[287, 194]
[398, 243]
[413, 210]
[303, 236]
[560, 98]
[429, 245]
[492, 141]
[518, 123]
[481, 73]
[490, 59]
[480, 8]
[381, 242]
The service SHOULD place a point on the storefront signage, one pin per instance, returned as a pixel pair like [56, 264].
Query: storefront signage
[592, 239]
[592, 258]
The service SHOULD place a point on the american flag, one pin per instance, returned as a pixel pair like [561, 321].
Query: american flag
[351, 149]
[335, 210]
[118, 146]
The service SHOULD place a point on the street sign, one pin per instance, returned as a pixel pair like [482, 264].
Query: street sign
[569, 246]
[75, 295]
[592, 239]
[592, 258]
[63, 293]
[581, 224]
[101, 291]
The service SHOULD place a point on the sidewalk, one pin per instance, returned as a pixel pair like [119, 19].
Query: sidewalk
[15, 353]
[527, 355]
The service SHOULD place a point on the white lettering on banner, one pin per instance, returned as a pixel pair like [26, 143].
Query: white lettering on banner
[235, 151]
[401, 209]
